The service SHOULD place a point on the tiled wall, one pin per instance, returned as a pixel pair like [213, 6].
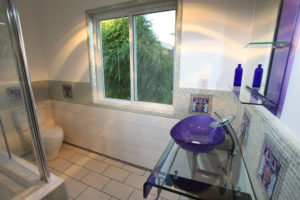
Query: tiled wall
[140, 138]
[135, 138]
[223, 102]
[264, 130]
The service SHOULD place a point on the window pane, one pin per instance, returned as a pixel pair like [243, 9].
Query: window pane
[154, 56]
[115, 57]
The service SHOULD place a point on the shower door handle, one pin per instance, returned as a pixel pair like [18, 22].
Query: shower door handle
[5, 139]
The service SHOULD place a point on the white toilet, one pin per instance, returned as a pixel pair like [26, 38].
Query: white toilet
[52, 135]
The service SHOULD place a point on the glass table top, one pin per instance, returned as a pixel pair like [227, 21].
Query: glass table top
[210, 176]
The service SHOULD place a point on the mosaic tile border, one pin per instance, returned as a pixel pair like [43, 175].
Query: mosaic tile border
[242, 140]
[283, 168]
[265, 131]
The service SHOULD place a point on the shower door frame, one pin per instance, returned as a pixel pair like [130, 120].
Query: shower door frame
[15, 29]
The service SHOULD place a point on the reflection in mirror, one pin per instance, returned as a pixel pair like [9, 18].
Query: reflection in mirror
[264, 25]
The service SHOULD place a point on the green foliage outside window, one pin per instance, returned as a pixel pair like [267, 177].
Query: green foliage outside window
[154, 67]
[116, 63]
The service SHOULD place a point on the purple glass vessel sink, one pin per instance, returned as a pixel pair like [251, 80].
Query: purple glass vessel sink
[195, 135]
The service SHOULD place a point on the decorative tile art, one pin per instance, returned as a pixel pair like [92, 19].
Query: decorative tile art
[244, 128]
[67, 90]
[201, 104]
[269, 170]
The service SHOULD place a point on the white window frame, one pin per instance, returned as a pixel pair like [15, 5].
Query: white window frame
[97, 73]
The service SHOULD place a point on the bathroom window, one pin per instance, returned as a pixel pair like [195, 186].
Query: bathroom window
[132, 53]
[114, 34]
[154, 56]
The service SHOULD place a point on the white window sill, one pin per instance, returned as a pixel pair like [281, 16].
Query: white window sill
[143, 107]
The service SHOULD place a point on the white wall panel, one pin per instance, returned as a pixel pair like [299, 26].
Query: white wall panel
[117, 115]
[131, 137]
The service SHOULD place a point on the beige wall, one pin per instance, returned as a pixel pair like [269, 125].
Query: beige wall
[214, 34]
[31, 22]
[213, 39]
[55, 37]
[65, 37]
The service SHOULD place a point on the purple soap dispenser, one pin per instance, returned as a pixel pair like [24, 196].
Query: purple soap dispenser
[257, 76]
[238, 75]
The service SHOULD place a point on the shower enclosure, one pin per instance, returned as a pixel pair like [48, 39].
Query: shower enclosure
[23, 164]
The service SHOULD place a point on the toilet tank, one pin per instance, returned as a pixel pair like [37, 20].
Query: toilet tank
[21, 119]
[42, 114]
[17, 126]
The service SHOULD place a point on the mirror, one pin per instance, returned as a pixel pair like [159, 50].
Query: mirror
[214, 36]
[264, 25]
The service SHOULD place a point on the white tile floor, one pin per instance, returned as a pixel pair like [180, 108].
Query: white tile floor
[93, 177]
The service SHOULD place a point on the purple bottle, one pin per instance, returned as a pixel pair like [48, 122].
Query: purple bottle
[257, 76]
[238, 75]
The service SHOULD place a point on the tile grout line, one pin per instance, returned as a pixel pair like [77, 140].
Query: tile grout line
[100, 190]
[106, 156]
[89, 170]
[118, 182]
[110, 179]
[81, 192]
[83, 176]
[105, 192]
[109, 165]
[126, 177]
[131, 193]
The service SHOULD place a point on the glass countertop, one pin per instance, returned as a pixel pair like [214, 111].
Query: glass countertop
[210, 176]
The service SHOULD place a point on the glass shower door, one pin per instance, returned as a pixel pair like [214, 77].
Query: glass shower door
[22, 156]
[13, 123]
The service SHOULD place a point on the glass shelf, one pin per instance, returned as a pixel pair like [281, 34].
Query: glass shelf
[246, 97]
[277, 44]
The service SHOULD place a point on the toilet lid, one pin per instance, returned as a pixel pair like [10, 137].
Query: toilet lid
[51, 131]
